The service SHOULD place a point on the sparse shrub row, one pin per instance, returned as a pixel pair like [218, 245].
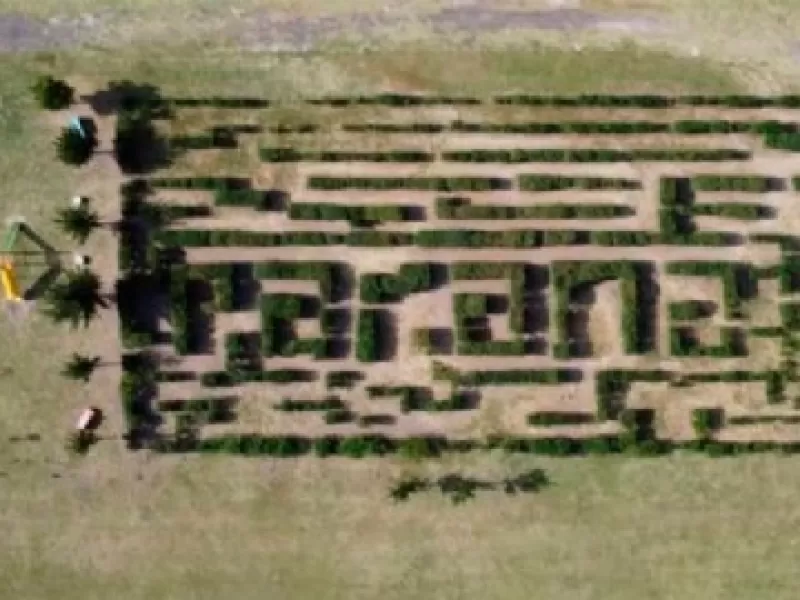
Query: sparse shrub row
[650, 101]
[554, 155]
[281, 155]
[175, 376]
[357, 215]
[546, 418]
[733, 210]
[390, 99]
[461, 208]
[543, 183]
[440, 184]
[342, 379]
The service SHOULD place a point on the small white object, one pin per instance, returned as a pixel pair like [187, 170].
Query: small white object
[80, 260]
[695, 51]
[87, 416]
[577, 47]
[78, 201]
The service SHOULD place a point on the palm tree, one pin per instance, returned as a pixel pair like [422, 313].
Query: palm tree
[78, 223]
[80, 367]
[74, 300]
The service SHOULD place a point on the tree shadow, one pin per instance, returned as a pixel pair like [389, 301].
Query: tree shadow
[342, 281]
[440, 340]
[385, 335]
[536, 315]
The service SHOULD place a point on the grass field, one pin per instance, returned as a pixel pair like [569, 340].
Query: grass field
[132, 525]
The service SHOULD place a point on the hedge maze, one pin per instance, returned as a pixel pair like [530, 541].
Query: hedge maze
[398, 283]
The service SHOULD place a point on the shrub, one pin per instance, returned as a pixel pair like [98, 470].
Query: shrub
[52, 94]
[541, 183]
[707, 420]
[135, 143]
[73, 148]
[441, 184]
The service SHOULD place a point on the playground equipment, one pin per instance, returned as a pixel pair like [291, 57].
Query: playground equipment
[8, 274]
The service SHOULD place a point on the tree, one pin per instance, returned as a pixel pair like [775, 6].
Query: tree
[52, 94]
[74, 300]
[73, 148]
[80, 367]
[78, 223]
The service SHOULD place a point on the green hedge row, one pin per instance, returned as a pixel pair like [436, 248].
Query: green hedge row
[212, 408]
[542, 182]
[761, 419]
[650, 101]
[200, 183]
[758, 184]
[445, 238]
[466, 347]
[461, 208]
[232, 378]
[219, 102]
[612, 386]
[554, 155]
[324, 211]
[470, 270]
[392, 99]
[440, 184]
[567, 275]
[738, 280]
[393, 127]
[689, 310]
[546, 418]
[733, 210]
[322, 271]
[790, 315]
[563, 127]
[283, 128]
[519, 377]
[202, 238]
[683, 342]
[282, 155]
[137, 387]
[293, 405]
[367, 336]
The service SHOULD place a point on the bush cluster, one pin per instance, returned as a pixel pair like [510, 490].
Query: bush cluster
[52, 94]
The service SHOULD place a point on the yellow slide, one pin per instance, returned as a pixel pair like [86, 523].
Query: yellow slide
[8, 278]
